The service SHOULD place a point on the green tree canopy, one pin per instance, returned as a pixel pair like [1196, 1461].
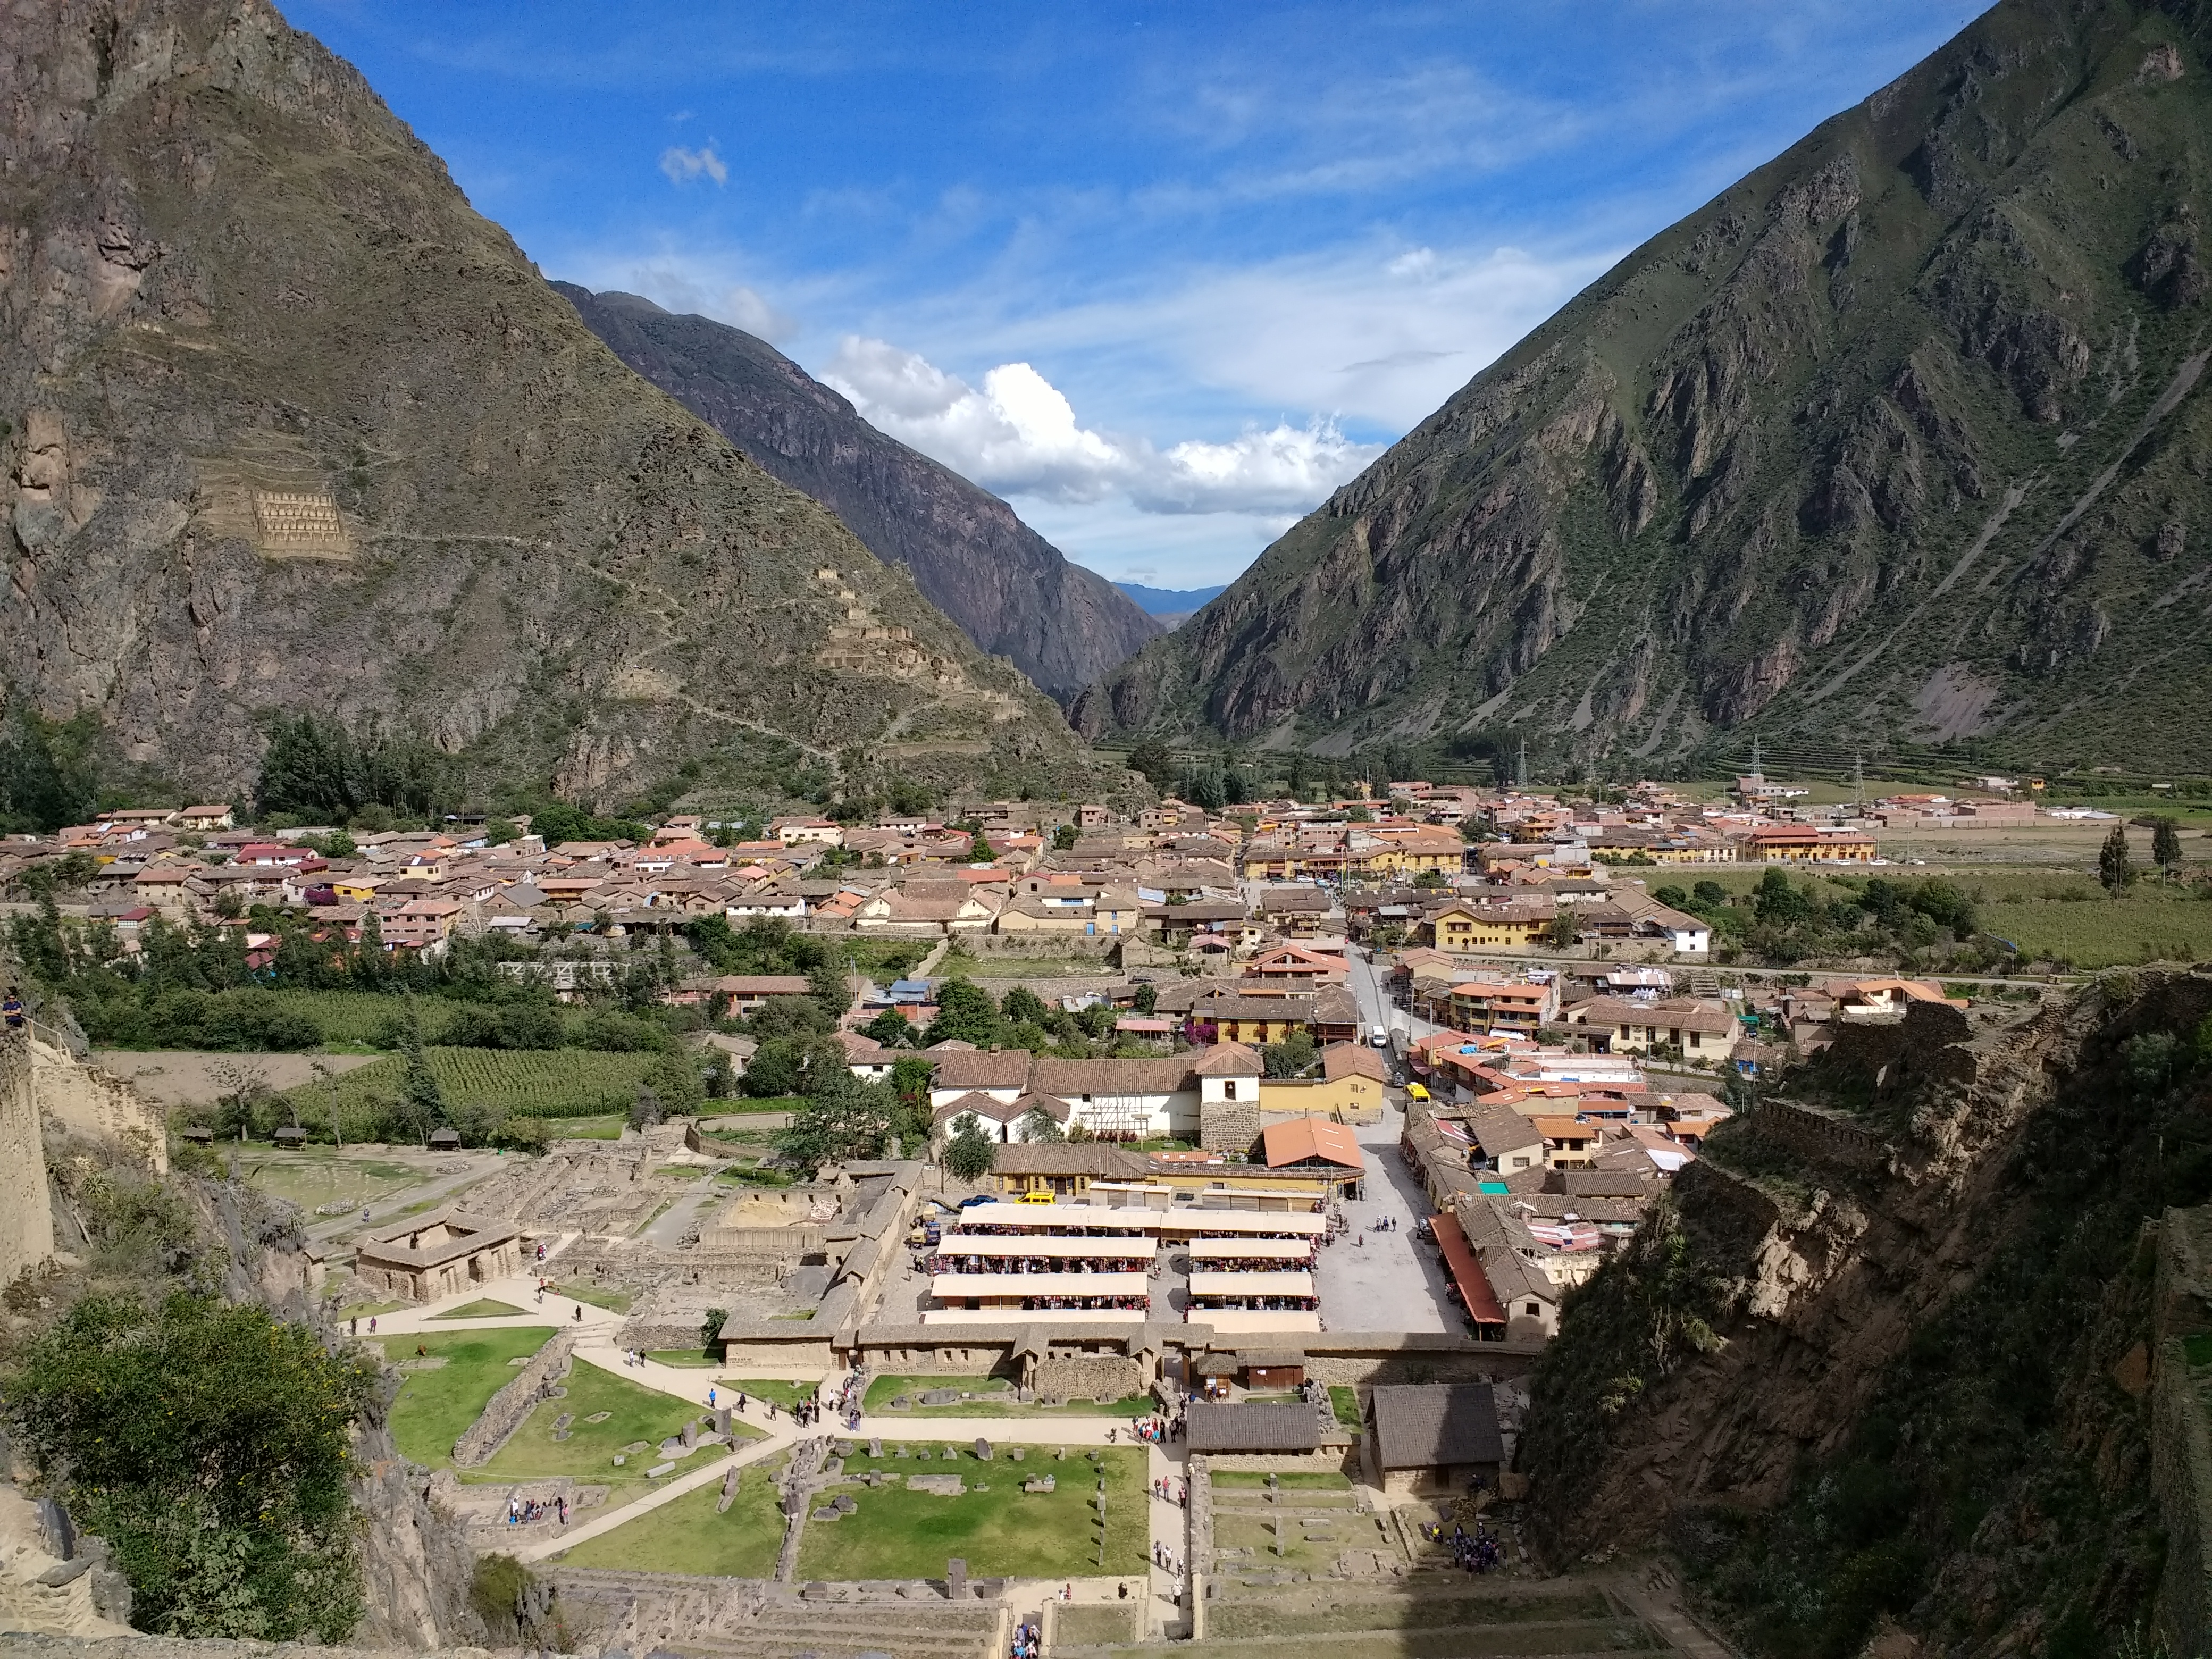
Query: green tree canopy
[966, 1013]
[210, 1444]
[970, 1153]
[2116, 866]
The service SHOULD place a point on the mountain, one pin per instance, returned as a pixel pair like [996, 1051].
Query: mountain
[292, 428]
[1173, 606]
[1901, 1358]
[1901, 438]
[1011, 590]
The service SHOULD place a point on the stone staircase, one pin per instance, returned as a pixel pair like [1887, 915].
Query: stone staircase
[749, 1619]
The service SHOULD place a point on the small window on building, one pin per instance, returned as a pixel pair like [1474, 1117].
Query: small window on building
[1229, 1090]
[1534, 1311]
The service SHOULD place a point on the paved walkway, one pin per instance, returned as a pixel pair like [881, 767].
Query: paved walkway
[1371, 1281]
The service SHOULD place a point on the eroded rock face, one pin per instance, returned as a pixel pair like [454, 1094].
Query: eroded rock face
[1009, 589]
[1792, 455]
[290, 426]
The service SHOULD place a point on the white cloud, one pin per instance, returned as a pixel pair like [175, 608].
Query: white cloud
[1017, 435]
[681, 166]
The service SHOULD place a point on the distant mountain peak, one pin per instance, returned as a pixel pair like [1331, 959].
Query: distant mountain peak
[1009, 589]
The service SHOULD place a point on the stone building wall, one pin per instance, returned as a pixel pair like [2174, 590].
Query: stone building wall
[1228, 1126]
[26, 1216]
[504, 1412]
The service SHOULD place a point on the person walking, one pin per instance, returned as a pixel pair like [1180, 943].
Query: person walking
[710, 1399]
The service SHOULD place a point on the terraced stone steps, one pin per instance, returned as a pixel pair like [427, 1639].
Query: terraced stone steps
[716, 1619]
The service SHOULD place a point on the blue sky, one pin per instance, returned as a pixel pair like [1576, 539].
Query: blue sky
[1163, 275]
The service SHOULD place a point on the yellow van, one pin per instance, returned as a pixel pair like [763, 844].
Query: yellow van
[1036, 1197]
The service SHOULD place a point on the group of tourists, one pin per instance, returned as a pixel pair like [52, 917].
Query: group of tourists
[522, 1512]
[1024, 1644]
[1176, 1492]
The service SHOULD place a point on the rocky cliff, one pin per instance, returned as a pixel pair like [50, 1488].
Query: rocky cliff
[1011, 591]
[1886, 1356]
[288, 426]
[1901, 438]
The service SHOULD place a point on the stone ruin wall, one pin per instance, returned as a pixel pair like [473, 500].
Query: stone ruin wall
[504, 1412]
[26, 1216]
[1102, 1377]
[91, 1102]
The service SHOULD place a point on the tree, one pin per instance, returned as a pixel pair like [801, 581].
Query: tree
[49, 771]
[891, 1028]
[674, 1077]
[210, 1444]
[1038, 1126]
[1064, 838]
[1292, 1057]
[965, 1013]
[1151, 758]
[710, 1327]
[842, 1118]
[1022, 1006]
[1674, 898]
[2115, 863]
[1148, 996]
[425, 1102]
[645, 1111]
[1559, 933]
[970, 1153]
[2165, 845]
[979, 848]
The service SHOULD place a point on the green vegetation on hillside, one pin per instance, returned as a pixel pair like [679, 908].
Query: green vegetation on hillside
[210, 1445]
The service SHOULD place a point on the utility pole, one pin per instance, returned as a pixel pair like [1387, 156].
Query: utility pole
[1858, 784]
[1521, 771]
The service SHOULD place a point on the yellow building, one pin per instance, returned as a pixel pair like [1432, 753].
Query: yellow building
[1464, 928]
[1349, 1090]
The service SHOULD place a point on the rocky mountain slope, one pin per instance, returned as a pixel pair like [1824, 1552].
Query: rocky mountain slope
[1887, 1356]
[1011, 591]
[1901, 438]
[289, 426]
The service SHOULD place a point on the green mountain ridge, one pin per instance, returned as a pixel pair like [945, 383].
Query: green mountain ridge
[289, 426]
[1902, 439]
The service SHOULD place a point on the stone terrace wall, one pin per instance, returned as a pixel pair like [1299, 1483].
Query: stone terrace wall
[26, 1216]
[502, 1415]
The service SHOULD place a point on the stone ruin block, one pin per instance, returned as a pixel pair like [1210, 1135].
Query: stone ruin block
[1016, 1453]
[955, 1578]
[940, 1397]
[844, 1502]
[688, 1436]
[843, 1448]
[875, 1448]
[1039, 1483]
[721, 1419]
[951, 1454]
[924, 1454]
[660, 1469]
[938, 1486]
[899, 1450]
[982, 1450]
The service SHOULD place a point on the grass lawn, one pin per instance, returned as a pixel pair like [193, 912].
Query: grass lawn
[2150, 924]
[683, 1356]
[739, 1105]
[1346, 1403]
[1001, 1403]
[687, 1536]
[319, 1178]
[786, 1394]
[1303, 1550]
[481, 1308]
[634, 1414]
[434, 1407]
[1288, 1480]
[897, 1534]
[612, 1301]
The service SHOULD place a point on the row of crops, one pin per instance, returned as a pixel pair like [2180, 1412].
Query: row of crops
[532, 1082]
